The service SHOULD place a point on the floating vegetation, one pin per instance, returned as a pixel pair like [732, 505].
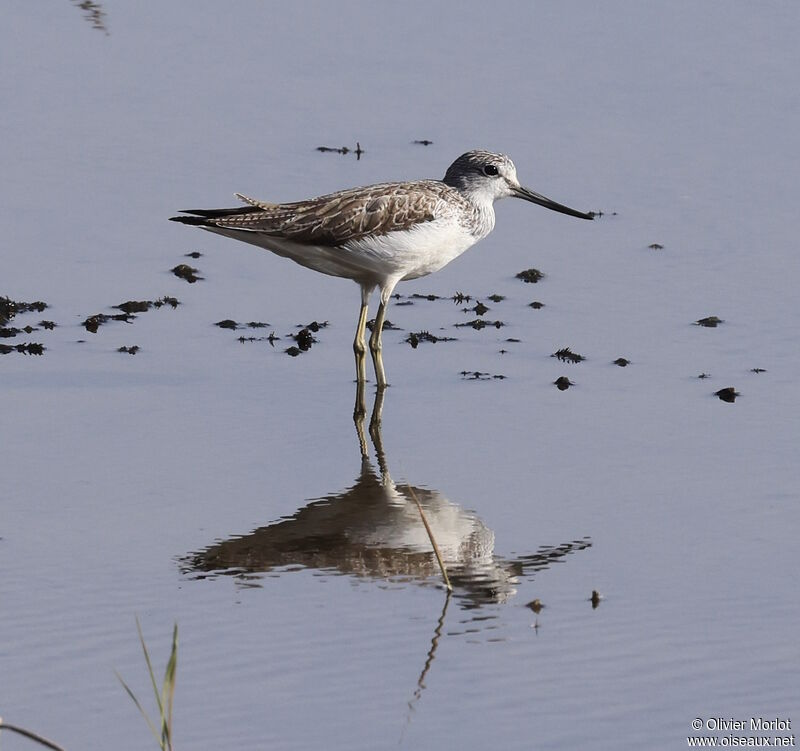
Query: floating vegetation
[417, 296]
[536, 305]
[656, 246]
[186, 272]
[495, 298]
[358, 151]
[11, 332]
[479, 324]
[459, 298]
[757, 370]
[49, 325]
[530, 276]
[134, 306]
[416, 337]
[315, 326]
[9, 308]
[478, 309]
[194, 254]
[710, 322]
[304, 339]
[477, 375]
[130, 350]
[28, 348]
[387, 325]
[271, 339]
[567, 355]
[622, 362]
[595, 599]
[728, 394]
[562, 383]
[704, 375]
[142, 306]
[93, 323]
[423, 142]
[229, 323]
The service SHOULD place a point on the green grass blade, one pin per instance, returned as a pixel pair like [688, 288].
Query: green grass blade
[165, 697]
[168, 689]
[150, 668]
[139, 707]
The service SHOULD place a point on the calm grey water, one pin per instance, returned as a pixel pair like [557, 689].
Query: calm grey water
[223, 485]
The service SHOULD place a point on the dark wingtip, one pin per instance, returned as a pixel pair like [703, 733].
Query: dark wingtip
[202, 217]
[193, 220]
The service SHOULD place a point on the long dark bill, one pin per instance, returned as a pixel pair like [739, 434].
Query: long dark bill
[529, 195]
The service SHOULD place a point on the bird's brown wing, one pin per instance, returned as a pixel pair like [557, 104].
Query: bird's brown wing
[337, 218]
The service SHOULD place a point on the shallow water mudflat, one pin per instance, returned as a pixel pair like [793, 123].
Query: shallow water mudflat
[605, 452]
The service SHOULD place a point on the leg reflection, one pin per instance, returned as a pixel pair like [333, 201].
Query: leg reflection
[375, 432]
[360, 414]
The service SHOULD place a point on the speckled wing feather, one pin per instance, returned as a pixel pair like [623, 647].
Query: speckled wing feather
[348, 215]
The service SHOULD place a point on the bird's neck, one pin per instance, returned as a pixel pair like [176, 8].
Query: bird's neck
[482, 214]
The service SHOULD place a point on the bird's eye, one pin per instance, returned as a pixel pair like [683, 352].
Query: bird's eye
[490, 170]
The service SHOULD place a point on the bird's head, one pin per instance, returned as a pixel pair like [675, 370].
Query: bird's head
[486, 177]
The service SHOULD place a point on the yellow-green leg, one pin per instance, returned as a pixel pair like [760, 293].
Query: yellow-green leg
[375, 341]
[359, 343]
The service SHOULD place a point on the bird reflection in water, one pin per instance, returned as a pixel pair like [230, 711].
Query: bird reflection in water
[373, 530]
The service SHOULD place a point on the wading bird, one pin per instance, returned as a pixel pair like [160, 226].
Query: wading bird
[382, 234]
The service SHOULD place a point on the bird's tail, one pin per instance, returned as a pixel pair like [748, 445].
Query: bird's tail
[205, 217]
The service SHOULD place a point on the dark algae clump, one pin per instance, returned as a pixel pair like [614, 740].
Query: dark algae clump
[567, 355]
[530, 276]
[709, 322]
[186, 272]
[415, 337]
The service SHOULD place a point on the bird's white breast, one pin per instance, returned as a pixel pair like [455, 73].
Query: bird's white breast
[418, 251]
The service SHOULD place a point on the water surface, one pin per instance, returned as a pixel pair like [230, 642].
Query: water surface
[224, 485]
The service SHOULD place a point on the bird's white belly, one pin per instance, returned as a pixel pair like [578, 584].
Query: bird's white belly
[412, 253]
[407, 254]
